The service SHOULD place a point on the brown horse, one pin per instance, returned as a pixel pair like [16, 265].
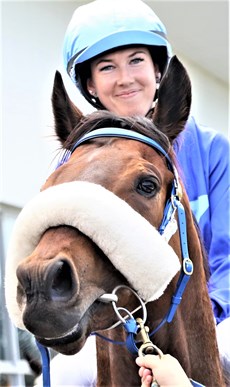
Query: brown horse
[93, 229]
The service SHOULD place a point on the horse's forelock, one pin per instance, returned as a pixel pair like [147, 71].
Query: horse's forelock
[103, 119]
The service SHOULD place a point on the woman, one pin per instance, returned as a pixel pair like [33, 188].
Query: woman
[116, 53]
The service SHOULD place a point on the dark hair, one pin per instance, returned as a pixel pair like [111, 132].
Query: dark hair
[83, 70]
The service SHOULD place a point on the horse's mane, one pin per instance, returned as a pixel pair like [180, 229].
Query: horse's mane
[102, 119]
[203, 249]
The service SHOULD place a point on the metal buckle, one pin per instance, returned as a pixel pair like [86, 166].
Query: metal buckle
[147, 347]
[187, 266]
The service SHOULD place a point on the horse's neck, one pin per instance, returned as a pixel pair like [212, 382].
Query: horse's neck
[116, 367]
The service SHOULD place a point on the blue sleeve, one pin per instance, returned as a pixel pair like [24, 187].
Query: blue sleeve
[203, 155]
[219, 249]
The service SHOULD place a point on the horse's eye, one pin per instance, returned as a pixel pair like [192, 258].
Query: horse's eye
[147, 187]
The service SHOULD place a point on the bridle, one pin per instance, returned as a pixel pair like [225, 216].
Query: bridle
[167, 228]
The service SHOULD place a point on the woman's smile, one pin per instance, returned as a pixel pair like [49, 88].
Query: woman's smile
[128, 93]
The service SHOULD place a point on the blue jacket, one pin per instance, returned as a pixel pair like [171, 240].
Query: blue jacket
[203, 156]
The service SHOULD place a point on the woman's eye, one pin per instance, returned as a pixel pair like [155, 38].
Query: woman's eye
[147, 187]
[137, 60]
[106, 68]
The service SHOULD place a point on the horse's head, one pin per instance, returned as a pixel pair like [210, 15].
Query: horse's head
[95, 224]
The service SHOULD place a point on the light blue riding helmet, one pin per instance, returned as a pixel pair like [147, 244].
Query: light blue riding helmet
[103, 25]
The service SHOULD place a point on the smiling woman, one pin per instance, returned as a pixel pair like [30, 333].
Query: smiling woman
[124, 81]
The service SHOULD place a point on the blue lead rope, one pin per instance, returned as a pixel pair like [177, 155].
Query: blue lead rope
[45, 364]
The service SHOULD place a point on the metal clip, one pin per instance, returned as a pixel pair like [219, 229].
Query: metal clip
[147, 348]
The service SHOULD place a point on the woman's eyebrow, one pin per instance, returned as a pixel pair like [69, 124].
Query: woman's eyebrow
[137, 52]
[102, 60]
[106, 60]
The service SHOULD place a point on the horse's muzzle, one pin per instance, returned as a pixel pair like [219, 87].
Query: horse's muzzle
[44, 292]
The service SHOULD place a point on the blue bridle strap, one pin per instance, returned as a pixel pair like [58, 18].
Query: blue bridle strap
[123, 133]
[187, 265]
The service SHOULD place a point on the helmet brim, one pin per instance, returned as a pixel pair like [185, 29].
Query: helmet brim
[122, 39]
[116, 40]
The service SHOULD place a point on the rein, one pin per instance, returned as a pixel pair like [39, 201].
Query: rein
[167, 228]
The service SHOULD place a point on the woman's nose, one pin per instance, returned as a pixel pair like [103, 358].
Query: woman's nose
[125, 76]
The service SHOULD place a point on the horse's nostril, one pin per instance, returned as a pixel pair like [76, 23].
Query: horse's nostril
[61, 281]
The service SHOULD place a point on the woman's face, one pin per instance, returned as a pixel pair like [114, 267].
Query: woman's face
[124, 81]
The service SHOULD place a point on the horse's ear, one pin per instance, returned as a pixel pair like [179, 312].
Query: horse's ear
[66, 114]
[174, 100]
